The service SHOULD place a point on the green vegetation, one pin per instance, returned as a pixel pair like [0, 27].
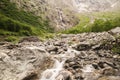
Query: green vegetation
[15, 27]
[16, 22]
[116, 46]
[10, 39]
[96, 22]
[116, 49]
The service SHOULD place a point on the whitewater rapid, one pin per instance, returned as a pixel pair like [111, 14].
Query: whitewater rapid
[59, 60]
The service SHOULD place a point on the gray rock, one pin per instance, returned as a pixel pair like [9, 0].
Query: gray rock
[115, 31]
[23, 63]
[64, 75]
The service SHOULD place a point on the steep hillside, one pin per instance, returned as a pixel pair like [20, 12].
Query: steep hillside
[17, 22]
[61, 14]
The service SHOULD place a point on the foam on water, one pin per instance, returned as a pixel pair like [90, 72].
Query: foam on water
[50, 74]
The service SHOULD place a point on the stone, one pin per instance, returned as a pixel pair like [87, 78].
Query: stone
[22, 63]
[64, 75]
[115, 31]
[30, 39]
[52, 49]
[31, 76]
[110, 72]
[82, 46]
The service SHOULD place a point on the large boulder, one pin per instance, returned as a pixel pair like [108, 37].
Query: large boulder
[23, 63]
[64, 75]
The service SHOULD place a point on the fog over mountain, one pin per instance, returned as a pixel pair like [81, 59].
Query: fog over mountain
[95, 5]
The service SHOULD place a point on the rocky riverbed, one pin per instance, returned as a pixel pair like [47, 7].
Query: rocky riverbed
[86, 56]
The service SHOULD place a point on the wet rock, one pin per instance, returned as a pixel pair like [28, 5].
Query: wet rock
[95, 66]
[76, 66]
[89, 57]
[31, 76]
[20, 63]
[52, 49]
[59, 43]
[3, 43]
[72, 63]
[30, 39]
[66, 65]
[12, 46]
[78, 76]
[101, 64]
[109, 78]
[82, 46]
[110, 72]
[64, 75]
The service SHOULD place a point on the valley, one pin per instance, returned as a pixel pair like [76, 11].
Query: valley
[59, 39]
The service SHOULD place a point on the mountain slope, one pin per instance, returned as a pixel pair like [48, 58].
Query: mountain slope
[96, 5]
[19, 22]
[60, 13]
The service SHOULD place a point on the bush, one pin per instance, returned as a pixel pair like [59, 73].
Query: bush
[104, 25]
[100, 25]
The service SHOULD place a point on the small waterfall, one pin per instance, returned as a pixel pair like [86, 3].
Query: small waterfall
[50, 74]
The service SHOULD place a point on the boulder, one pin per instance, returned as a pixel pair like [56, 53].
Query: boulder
[23, 63]
[30, 39]
[64, 75]
[115, 31]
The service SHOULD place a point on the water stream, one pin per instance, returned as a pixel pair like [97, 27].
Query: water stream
[59, 60]
[50, 74]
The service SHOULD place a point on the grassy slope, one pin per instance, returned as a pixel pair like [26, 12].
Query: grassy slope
[14, 22]
[103, 21]
[96, 22]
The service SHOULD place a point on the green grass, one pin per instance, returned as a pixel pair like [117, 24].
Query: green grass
[96, 22]
[16, 22]
[10, 10]
[10, 38]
